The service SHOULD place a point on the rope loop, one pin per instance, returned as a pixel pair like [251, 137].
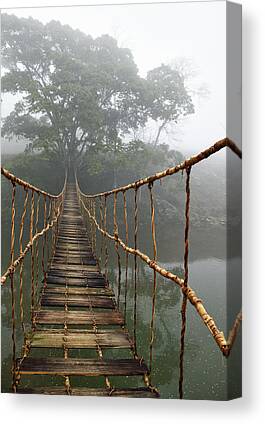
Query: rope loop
[150, 185]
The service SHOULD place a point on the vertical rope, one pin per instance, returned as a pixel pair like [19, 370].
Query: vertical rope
[57, 210]
[135, 270]
[23, 216]
[126, 254]
[152, 330]
[37, 247]
[13, 313]
[54, 227]
[186, 275]
[44, 243]
[94, 225]
[116, 235]
[32, 257]
[91, 224]
[106, 242]
[50, 238]
[101, 235]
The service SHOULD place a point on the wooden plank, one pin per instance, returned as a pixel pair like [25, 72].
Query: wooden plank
[74, 254]
[73, 230]
[82, 268]
[85, 367]
[79, 317]
[77, 301]
[137, 392]
[78, 330]
[76, 282]
[71, 268]
[74, 273]
[75, 276]
[80, 290]
[73, 247]
[80, 240]
[109, 339]
[68, 260]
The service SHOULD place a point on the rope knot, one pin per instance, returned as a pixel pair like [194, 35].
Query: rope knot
[150, 185]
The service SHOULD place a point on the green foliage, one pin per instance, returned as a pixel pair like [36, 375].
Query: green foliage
[80, 96]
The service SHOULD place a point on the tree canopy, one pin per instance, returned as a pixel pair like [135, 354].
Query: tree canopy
[78, 94]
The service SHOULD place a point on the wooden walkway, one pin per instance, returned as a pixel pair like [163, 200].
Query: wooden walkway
[77, 310]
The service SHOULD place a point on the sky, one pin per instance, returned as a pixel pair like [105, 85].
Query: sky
[161, 33]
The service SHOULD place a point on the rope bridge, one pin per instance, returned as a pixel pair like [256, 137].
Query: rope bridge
[75, 280]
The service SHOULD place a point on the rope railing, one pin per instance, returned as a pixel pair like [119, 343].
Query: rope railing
[39, 218]
[90, 203]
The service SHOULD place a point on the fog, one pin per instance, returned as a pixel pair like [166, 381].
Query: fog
[160, 33]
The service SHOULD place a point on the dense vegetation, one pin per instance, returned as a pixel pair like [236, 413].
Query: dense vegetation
[79, 96]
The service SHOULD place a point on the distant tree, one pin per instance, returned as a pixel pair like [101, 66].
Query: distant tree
[75, 91]
[168, 98]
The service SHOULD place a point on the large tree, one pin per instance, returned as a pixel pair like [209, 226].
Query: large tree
[75, 92]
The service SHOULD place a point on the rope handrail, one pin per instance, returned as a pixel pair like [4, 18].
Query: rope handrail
[15, 180]
[49, 225]
[224, 344]
[29, 245]
[193, 160]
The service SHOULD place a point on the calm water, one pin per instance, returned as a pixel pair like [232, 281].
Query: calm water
[205, 369]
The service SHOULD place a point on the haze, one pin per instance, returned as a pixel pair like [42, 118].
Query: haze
[160, 33]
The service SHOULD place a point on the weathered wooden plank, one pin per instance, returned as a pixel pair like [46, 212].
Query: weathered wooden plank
[75, 275]
[78, 330]
[110, 339]
[137, 392]
[77, 240]
[73, 254]
[79, 317]
[80, 290]
[79, 268]
[77, 301]
[88, 276]
[85, 367]
[74, 229]
[73, 247]
[76, 282]
[73, 260]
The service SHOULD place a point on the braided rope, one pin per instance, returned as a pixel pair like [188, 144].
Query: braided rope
[135, 271]
[116, 234]
[126, 253]
[185, 284]
[13, 313]
[152, 330]
[219, 145]
[22, 263]
[106, 244]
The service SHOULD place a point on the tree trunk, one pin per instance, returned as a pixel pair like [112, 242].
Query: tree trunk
[159, 132]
